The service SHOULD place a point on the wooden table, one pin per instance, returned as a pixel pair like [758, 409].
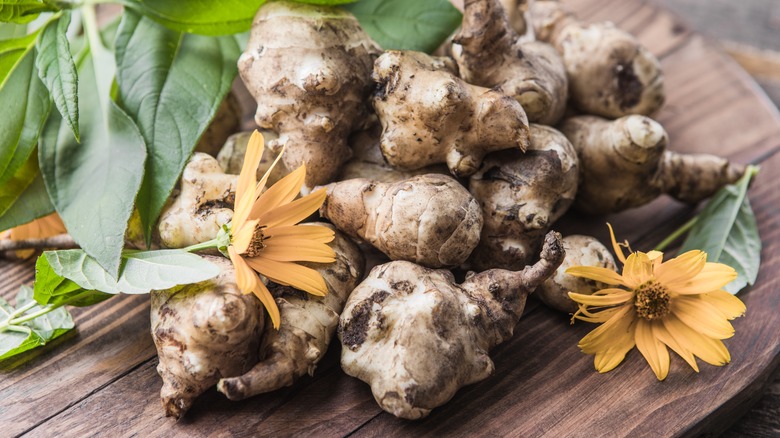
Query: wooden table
[101, 378]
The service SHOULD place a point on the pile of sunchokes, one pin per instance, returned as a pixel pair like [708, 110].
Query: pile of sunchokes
[433, 162]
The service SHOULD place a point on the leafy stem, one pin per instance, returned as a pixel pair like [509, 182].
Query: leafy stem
[19, 317]
[213, 243]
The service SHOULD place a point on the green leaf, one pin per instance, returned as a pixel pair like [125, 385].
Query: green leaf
[199, 16]
[11, 30]
[18, 337]
[25, 104]
[407, 24]
[23, 11]
[53, 289]
[143, 271]
[58, 71]
[93, 184]
[30, 205]
[726, 230]
[171, 84]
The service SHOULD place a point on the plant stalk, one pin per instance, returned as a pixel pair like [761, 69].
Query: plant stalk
[676, 234]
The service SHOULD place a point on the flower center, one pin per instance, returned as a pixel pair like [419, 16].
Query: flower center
[652, 300]
[256, 245]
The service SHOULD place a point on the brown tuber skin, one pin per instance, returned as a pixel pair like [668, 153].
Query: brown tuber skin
[417, 337]
[580, 251]
[309, 68]
[430, 116]
[307, 326]
[428, 219]
[491, 54]
[624, 164]
[521, 196]
[203, 332]
[367, 160]
[610, 73]
[226, 121]
[203, 205]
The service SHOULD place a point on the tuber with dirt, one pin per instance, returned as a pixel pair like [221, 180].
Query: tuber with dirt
[416, 336]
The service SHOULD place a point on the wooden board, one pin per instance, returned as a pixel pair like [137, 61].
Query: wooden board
[102, 379]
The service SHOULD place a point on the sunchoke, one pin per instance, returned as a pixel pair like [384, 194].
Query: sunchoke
[416, 337]
[610, 73]
[491, 54]
[307, 326]
[429, 219]
[309, 68]
[203, 332]
[580, 251]
[226, 121]
[430, 116]
[367, 160]
[203, 205]
[624, 164]
[521, 196]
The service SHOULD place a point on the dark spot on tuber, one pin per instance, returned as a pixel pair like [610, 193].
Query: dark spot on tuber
[354, 332]
[629, 86]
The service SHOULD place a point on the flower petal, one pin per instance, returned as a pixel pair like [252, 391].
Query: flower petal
[637, 270]
[281, 193]
[264, 295]
[707, 349]
[603, 298]
[662, 334]
[729, 305]
[607, 334]
[316, 233]
[291, 249]
[294, 212]
[286, 273]
[681, 268]
[245, 193]
[597, 273]
[712, 277]
[615, 247]
[652, 349]
[245, 276]
[702, 317]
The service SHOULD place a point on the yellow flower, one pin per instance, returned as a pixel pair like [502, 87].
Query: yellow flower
[265, 235]
[654, 304]
[40, 228]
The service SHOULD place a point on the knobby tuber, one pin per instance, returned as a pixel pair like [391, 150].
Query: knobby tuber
[309, 68]
[430, 116]
[203, 332]
[367, 160]
[231, 157]
[491, 54]
[431, 220]
[417, 337]
[624, 164]
[308, 324]
[203, 205]
[521, 196]
[580, 251]
[226, 121]
[518, 13]
[610, 73]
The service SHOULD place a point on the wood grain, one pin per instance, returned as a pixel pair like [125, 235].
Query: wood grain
[103, 381]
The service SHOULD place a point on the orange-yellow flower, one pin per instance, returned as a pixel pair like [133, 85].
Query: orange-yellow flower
[654, 304]
[40, 228]
[265, 235]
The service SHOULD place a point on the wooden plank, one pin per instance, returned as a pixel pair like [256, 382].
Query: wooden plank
[110, 340]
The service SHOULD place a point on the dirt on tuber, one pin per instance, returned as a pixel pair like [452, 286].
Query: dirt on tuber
[624, 164]
[416, 336]
[308, 324]
[203, 332]
[521, 196]
[429, 115]
[431, 219]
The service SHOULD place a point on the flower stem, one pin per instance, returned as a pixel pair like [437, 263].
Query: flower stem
[201, 246]
[677, 233]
